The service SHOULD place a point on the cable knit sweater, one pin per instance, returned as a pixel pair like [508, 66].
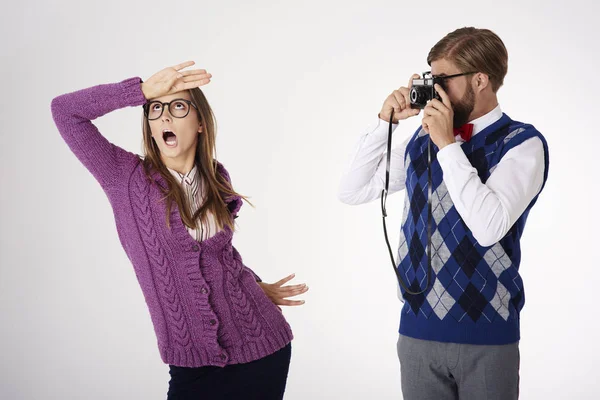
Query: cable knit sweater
[206, 306]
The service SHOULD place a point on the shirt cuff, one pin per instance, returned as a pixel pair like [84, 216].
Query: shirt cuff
[379, 130]
[452, 153]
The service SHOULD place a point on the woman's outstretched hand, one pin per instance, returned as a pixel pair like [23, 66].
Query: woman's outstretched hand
[172, 80]
[278, 293]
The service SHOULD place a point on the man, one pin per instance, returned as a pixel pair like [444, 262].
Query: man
[459, 335]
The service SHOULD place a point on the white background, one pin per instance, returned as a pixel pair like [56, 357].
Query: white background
[294, 85]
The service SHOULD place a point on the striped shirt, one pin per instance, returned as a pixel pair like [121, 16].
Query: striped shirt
[193, 189]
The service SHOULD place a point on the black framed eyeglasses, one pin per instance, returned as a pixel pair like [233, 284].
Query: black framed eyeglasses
[178, 108]
[445, 77]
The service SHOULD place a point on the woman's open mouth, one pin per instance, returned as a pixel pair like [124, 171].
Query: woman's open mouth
[170, 138]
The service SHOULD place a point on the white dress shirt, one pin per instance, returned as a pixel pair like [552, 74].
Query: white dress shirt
[489, 210]
[193, 188]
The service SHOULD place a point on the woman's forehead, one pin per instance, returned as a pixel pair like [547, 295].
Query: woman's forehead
[179, 95]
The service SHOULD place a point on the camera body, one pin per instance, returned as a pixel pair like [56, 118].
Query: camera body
[422, 91]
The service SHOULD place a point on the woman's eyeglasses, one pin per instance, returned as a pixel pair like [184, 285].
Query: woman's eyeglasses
[178, 108]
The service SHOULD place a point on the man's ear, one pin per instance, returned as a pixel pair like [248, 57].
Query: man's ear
[481, 81]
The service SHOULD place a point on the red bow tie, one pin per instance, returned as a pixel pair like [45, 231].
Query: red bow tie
[465, 132]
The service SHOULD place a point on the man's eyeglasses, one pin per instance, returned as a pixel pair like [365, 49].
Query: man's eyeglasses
[445, 77]
[178, 108]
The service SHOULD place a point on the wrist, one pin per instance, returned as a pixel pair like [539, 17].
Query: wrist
[386, 118]
[448, 139]
[446, 143]
[145, 91]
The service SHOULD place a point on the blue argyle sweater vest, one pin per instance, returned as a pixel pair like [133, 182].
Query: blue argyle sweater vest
[476, 292]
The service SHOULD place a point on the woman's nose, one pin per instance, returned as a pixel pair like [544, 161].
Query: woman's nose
[166, 116]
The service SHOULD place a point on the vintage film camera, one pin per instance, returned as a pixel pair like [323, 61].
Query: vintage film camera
[422, 90]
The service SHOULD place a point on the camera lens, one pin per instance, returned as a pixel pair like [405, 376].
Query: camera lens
[417, 97]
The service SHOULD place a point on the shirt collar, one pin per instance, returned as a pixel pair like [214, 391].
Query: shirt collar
[486, 120]
[189, 179]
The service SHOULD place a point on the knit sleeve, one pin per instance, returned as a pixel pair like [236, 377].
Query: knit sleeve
[73, 113]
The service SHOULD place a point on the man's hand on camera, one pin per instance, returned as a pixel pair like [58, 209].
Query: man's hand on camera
[438, 119]
[398, 103]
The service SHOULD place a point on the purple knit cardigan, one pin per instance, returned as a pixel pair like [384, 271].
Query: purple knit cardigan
[206, 306]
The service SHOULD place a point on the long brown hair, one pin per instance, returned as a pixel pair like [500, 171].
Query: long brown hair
[218, 189]
[472, 49]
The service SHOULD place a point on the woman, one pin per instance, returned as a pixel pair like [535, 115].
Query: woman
[218, 326]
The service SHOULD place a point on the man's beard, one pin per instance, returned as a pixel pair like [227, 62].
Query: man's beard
[463, 109]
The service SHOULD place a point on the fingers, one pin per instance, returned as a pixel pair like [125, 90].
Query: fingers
[290, 302]
[393, 104]
[193, 72]
[194, 78]
[170, 80]
[443, 95]
[198, 76]
[437, 105]
[402, 96]
[406, 94]
[284, 280]
[425, 125]
[191, 85]
[196, 83]
[397, 105]
[190, 82]
[172, 83]
[290, 291]
[400, 100]
[183, 65]
[292, 287]
[280, 295]
[430, 110]
[415, 76]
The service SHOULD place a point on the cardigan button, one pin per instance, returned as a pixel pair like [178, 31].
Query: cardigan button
[196, 247]
[212, 322]
[204, 290]
[222, 357]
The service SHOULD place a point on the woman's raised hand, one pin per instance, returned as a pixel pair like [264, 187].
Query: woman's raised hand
[172, 80]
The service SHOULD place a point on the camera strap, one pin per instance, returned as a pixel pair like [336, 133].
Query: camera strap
[384, 194]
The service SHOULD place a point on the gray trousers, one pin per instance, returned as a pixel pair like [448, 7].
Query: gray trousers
[449, 371]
